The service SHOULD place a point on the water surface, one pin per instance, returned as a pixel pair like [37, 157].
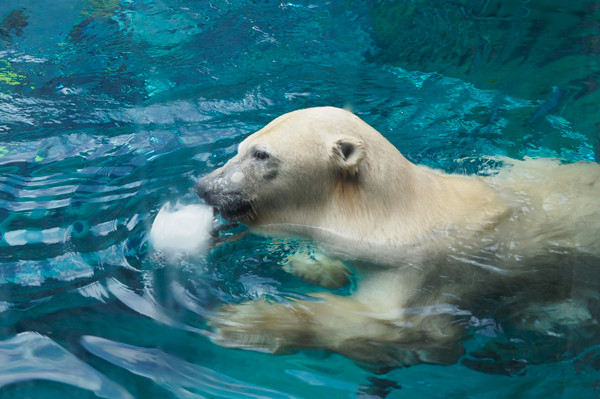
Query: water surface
[109, 109]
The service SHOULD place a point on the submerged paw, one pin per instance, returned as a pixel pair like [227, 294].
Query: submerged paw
[256, 325]
[317, 268]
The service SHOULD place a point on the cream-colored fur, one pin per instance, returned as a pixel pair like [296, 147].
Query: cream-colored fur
[425, 248]
[317, 268]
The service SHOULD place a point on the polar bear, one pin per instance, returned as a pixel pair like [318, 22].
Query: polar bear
[427, 251]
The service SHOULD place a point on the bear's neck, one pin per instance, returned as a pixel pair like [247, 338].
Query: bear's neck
[407, 206]
[394, 207]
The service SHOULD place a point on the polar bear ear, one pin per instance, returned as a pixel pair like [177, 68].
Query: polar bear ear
[348, 153]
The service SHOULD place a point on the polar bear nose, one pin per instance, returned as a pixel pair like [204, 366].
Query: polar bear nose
[211, 188]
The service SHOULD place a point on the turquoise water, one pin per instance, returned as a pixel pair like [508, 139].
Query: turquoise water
[109, 109]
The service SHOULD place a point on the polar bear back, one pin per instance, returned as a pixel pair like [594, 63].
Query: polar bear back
[558, 203]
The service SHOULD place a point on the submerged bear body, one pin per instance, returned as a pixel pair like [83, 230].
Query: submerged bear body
[428, 250]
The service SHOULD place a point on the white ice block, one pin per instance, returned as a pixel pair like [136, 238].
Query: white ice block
[182, 228]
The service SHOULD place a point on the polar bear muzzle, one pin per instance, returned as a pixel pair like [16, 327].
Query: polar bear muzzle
[226, 194]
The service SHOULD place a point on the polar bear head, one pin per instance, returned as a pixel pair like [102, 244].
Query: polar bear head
[325, 175]
[287, 171]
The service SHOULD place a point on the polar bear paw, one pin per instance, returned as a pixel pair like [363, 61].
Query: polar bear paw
[317, 268]
[258, 325]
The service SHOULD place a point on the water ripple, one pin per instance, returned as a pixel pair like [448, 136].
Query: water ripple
[30, 356]
[187, 380]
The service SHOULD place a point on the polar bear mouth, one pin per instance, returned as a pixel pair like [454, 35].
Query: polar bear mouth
[234, 209]
[238, 211]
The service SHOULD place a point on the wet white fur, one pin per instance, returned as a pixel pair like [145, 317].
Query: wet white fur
[415, 238]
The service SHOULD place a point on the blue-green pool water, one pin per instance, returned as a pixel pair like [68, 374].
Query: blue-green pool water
[109, 109]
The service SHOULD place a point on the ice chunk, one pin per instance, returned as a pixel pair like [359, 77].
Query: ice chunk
[182, 228]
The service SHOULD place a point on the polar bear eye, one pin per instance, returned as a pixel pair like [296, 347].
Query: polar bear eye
[260, 155]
